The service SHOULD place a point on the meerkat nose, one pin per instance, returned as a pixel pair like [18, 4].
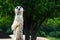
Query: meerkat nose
[19, 9]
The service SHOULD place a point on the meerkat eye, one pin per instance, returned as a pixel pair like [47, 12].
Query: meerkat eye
[16, 7]
[20, 7]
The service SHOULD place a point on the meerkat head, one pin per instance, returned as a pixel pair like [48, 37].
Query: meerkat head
[19, 9]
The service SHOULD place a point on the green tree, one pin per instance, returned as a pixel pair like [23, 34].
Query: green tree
[36, 12]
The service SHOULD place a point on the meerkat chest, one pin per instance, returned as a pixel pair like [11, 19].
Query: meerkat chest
[19, 18]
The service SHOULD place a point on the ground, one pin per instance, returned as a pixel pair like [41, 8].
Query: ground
[38, 38]
[4, 36]
[41, 38]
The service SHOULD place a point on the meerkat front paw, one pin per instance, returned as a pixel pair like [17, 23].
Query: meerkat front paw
[12, 27]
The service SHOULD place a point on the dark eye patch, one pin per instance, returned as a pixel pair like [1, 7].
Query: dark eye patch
[16, 7]
[20, 7]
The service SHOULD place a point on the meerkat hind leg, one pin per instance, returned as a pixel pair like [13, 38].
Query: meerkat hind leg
[19, 34]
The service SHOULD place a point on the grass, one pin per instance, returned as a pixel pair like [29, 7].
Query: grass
[53, 38]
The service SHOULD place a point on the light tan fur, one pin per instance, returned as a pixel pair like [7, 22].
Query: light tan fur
[17, 26]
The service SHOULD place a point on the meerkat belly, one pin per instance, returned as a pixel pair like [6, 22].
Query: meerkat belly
[19, 32]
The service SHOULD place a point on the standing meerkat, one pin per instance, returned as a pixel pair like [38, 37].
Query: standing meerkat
[17, 26]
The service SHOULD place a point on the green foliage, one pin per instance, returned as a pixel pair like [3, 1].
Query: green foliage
[55, 34]
[41, 33]
[53, 22]
[5, 23]
[53, 38]
[51, 27]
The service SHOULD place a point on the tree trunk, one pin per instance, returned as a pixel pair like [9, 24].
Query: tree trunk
[27, 36]
[28, 22]
[33, 36]
[26, 31]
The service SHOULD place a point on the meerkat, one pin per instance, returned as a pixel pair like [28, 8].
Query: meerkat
[17, 26]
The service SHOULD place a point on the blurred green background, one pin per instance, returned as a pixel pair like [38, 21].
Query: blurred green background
[38, 8]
